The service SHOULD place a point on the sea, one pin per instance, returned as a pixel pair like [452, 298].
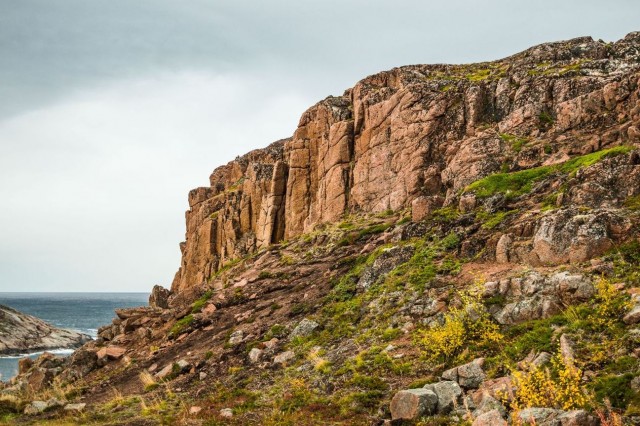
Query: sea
[83, 312]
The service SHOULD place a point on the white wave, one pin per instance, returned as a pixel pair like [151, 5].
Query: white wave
[61, 351]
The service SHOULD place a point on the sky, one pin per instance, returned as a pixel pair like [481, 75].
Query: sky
[111, 111]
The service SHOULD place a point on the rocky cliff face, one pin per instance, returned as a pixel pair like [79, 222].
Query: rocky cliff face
[415, 136]
[21, 333]
[442, 244]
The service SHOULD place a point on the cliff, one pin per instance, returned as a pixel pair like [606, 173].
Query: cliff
[21, 333]
[402, 137]
[442, 244]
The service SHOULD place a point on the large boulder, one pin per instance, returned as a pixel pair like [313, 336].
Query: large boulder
[159, 297]
[412, 404]
[570, 236]
[449, 395]
[468, 375]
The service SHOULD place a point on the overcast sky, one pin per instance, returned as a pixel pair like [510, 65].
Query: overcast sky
[110, 111]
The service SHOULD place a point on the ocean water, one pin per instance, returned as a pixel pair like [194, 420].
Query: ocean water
[84, 312]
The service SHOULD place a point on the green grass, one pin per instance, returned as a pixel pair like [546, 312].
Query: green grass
[516, 142]
[354, 236]
[199, 304]
[518, 183]
[492, 220]
[181, 325]
[532, 335]
[615, 388]
[445, 215]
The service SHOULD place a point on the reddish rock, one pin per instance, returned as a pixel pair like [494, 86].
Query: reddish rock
[111, 352]
[412, 404]
[491, 418]
[159, 297]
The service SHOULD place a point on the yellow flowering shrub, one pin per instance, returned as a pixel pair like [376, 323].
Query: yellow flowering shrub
[538, 387]
[610, 305]
[468, 324]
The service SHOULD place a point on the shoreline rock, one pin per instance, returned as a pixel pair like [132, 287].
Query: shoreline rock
[22, 334]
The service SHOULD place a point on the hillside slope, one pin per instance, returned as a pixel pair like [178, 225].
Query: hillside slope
[442, 244]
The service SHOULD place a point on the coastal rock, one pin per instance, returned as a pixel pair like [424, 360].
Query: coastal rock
[21, 333]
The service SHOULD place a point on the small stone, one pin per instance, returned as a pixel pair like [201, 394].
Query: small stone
[254, 355]
[177, 367]
[271, 344]
[284, 357]
[503, 248]
[305, 328]
[489, 404]
[236, 337]
[491, 288]
[539, 416]
[577, 418]
[467, 203]
[412, 404]
[543, 358]
[209, 309]
[75, 407]
[566, 348]
[203, 375]
[226, 413]
[111, 352]
[407, 327]
[194, 410]
[633, 316]
[36, 407]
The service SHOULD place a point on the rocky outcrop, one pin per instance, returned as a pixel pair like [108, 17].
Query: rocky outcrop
[536, 296]
[415, 136]
[21, 333]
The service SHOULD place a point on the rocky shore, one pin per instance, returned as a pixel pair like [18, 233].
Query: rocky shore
[21, 333]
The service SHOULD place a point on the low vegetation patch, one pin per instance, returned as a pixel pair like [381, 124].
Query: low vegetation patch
[521, 182]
